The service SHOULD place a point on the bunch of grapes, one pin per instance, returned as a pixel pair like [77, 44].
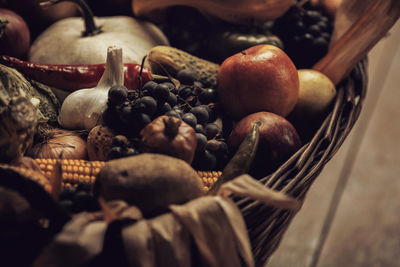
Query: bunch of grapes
[128, 112]
[121, 147]
[306, 33]
[78, 199]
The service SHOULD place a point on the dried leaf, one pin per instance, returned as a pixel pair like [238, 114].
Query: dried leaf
[359, 25]
[218, 231]
[246, 186]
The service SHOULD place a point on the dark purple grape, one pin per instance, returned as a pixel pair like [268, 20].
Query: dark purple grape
[192, 101]
[120, 141]
[211, 130]
[179, 111]
[201, 142]
[164, 108]
[186, 76]
[200, 129]
[185, 92]
[201, 114]
[223, 149]
[115, 152]
[172, 100]
[173, 113]
[314, 30]
[322, 25]
[146, 93]
[206, 107]
[149, 86]
[312, 17]
[117, 95]
[144, 119]
[207, 161]
[198, 84]
[307, 39]
[161, 93]
[326, 36]
[147, 104]
[131, 152]
[299, 27]
[321, 45]
[126, 111]
[170, 85]
[213, 145]
[207, 96]
[190, 119]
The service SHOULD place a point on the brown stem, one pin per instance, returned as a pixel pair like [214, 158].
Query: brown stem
[171, 127]
[87, 14]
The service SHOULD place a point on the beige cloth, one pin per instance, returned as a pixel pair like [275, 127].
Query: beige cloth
[207, 231]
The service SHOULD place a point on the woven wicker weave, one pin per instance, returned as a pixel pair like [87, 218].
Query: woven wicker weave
[267, 225]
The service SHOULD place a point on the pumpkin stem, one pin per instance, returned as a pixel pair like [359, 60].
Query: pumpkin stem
[3, 26]
[171, 127]
[87, 14]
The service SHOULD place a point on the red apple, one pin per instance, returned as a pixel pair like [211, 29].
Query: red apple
[278, 139]
[261, 78]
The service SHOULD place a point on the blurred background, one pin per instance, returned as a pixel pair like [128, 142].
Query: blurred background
[351, 216]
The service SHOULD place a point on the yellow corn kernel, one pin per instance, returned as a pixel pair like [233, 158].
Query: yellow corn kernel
[74, 172]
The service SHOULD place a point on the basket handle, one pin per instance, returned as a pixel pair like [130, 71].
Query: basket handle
[359, 25]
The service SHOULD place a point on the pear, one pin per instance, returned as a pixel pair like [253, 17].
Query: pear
[316, 94]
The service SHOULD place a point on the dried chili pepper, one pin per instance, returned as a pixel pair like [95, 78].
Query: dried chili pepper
[74, 77]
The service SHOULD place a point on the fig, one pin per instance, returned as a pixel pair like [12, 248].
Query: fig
[278, 140]
[151, 182]
[170, 136]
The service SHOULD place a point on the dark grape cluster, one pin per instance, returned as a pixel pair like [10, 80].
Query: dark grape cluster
[121, 147]
[129, 112]
[306, 33]
[78, 199]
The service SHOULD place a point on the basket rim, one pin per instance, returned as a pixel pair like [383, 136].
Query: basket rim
[267, 225]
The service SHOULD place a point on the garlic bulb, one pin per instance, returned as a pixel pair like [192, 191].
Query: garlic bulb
[83, 109]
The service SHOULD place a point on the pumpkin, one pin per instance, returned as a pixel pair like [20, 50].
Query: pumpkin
[67, 35]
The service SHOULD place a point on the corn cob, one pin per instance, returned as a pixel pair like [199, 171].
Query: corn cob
[75, 172]
[36, 176]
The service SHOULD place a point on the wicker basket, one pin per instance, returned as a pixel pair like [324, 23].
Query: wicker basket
[267, 225]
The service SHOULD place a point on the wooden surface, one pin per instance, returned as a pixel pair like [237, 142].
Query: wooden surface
[351, 216]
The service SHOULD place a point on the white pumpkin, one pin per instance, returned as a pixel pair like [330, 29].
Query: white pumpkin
[63, 43]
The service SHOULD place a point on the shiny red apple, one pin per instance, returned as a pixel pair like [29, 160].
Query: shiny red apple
[261, 78]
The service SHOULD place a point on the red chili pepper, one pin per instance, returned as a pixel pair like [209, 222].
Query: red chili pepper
[74, 77]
